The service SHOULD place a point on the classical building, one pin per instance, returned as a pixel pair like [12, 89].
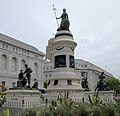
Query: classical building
[14, 55]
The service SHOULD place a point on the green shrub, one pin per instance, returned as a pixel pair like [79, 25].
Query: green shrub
[29, 112]
[64, 106]
[84, 110]
[109, 110]
[117, 107]
[96, 111]
[2, 98]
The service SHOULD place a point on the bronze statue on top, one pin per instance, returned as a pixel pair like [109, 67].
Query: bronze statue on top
[64, 21]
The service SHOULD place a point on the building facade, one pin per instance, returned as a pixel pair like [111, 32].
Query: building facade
[14, 55]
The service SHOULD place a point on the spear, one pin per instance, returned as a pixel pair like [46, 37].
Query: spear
[54, 9]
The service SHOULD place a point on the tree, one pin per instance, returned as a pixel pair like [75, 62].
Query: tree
[114, 84]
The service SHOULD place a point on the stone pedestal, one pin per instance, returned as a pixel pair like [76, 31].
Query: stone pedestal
[21, 98]
[76, 95]
[104, 95]
[64, 79]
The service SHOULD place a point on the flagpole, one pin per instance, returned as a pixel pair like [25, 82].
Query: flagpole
[55, 15]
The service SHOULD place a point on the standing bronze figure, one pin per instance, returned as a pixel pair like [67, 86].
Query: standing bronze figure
[64, 21]
[28, 72]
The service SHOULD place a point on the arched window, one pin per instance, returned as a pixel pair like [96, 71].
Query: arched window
[14, 64]
[4, 62]
[23, 64]
[35, 69]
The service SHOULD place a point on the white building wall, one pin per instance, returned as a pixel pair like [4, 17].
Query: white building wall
[20, 51]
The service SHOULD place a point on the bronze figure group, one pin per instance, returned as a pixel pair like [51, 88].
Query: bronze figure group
[24, 78]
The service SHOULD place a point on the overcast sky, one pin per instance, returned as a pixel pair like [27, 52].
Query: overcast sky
[95, 25]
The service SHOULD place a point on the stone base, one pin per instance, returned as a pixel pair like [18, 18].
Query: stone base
[22, 98]
[105, 95]
[75, 94]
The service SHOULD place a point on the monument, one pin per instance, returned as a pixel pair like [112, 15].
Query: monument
[23, 96]
[64, 78]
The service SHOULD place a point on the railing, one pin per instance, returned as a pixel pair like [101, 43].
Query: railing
[25, 105]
